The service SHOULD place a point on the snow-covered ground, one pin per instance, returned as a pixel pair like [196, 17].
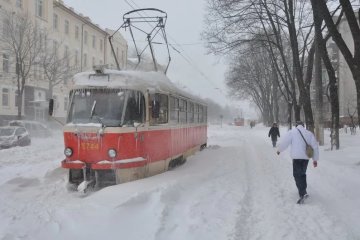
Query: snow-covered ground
[238, 188]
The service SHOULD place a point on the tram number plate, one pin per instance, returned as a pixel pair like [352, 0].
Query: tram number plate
[89, 146]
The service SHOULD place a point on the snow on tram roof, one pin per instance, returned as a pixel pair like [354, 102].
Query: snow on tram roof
[129, 79]
[124, 79]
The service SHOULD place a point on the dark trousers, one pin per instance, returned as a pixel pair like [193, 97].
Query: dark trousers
[274, 140]
[299, 173]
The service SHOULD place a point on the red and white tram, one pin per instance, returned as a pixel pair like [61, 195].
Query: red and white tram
[124, 125]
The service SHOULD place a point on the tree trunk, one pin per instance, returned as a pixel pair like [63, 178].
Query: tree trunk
[304, 95]
[297, 111]
[334, 97]
[290, 115]
[275, 94]
[319, 119]
[20, 102]
[309, 120]
[357, 84]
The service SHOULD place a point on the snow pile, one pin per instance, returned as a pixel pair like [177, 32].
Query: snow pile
[237, 188]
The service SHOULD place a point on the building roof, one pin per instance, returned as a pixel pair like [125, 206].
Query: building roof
[85, 19]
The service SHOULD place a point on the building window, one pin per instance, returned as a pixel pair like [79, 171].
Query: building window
[16, 98]
[35, 72]
[39, 8]
[76, 58]
[56, 103]
[93, 41]
[19, 4]
[77, 30]
[5, 63]
[93, 61]
[85, 60]
[101, 45]
[123, 57]
[66, 52]
[5, 97]
[55, 47]
[5, 29]
[85, 37]
[55, 22]
[66, 56]
[66, 27]
[66, 102]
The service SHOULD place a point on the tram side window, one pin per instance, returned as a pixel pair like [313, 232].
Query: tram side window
[174, 110]
[159, 109]
[196, 113]
[182, 110]
[205, 114]
[190, 115]
[135, 108]
[201, 114]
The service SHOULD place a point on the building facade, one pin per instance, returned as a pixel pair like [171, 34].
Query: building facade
[71, 34]
[346, 83]
[347, 89]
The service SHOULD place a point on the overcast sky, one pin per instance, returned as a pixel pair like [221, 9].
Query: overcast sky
[192, 68]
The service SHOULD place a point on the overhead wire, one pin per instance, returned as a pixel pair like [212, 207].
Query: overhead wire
[186, 58]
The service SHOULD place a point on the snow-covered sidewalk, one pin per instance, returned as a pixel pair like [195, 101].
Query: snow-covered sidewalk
[237, 188]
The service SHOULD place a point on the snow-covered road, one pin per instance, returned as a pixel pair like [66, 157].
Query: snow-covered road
[237, 188]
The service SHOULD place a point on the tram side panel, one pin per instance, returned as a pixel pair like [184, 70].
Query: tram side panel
[162, 146]
[157, 149]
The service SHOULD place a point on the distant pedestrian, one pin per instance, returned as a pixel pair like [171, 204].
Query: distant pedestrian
[274, 133]
[299, 138]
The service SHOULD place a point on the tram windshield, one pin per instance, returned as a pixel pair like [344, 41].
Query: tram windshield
[110, 107]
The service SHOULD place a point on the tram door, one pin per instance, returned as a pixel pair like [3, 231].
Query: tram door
[135, 112]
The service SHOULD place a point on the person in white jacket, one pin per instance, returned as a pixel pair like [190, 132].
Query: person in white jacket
[298, 154]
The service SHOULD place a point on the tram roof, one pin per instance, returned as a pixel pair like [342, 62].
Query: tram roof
[137, 80]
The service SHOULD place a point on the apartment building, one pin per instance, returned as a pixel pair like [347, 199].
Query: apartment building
[71, 34]
[346, 84]
[347, 90]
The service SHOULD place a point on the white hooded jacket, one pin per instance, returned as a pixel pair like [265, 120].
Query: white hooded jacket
[298, 146]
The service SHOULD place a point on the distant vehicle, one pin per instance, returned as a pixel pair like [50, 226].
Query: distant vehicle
[239, 121]
[12, 136]
[36, 129]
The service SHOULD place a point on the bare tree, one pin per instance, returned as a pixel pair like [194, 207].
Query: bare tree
[332, 88]
[56, 66]
[352, 59]
[251, 76]
[285, 23]
[21, 40]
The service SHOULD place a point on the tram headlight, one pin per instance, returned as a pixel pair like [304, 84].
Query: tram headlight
[112, 153]
[68, 152]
